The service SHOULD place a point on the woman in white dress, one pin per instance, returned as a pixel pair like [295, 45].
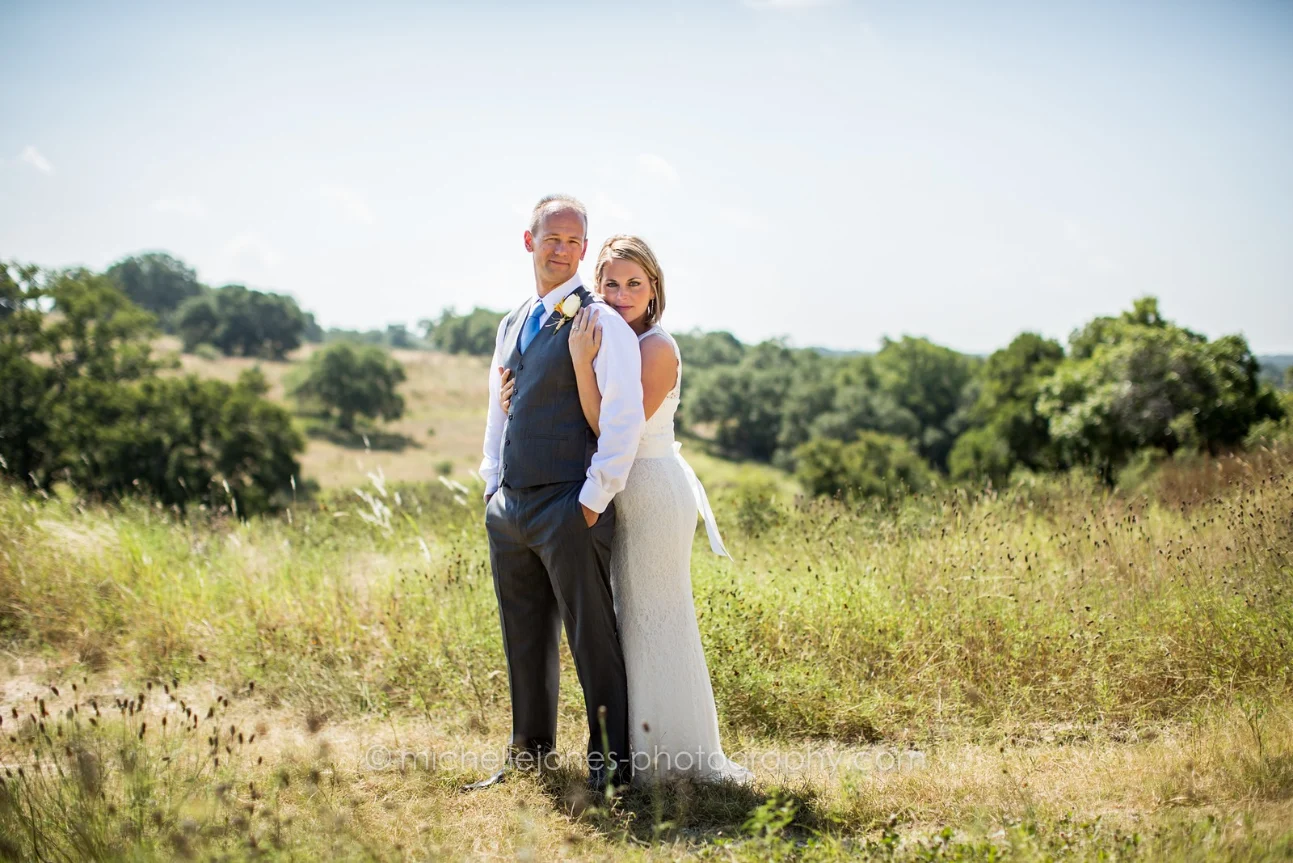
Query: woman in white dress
[673, 721]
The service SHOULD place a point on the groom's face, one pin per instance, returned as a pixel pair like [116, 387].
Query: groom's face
[558, 247]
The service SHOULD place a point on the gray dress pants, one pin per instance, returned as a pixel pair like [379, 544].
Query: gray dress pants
[549, 568]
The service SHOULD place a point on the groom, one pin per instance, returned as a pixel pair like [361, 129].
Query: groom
[549, 484]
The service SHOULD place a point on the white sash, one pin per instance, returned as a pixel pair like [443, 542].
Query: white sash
[702, 504]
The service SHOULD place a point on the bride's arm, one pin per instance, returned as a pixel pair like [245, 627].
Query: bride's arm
[659, 369]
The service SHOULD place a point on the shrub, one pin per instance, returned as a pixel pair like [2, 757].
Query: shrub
[346, 380]
[207, 352]
[81, 403]
[242, 322]
[872, 465]
[980, 455]
[472, 333]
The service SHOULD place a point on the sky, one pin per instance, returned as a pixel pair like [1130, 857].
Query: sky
[828, 172]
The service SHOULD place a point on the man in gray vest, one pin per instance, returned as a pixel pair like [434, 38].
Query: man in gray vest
[549, 512]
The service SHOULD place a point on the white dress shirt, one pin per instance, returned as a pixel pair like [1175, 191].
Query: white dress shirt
[618, 367]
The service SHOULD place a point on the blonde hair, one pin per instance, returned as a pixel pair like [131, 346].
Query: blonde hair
[625, 247]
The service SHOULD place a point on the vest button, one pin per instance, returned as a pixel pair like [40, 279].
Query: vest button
[507, 443]
[521, 366]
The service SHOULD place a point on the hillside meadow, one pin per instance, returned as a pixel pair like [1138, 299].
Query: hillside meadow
[1052, 671]
[440, 432]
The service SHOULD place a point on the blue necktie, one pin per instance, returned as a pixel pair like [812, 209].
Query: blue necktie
[532, 325]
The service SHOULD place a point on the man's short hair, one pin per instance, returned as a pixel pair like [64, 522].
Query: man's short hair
[557, 204]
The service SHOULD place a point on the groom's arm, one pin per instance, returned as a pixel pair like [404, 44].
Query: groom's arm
[494, 418]
[618, 367]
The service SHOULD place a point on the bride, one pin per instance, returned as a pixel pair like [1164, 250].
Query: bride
[672, 718]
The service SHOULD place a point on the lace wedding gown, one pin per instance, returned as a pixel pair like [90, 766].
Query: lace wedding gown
[673, 723]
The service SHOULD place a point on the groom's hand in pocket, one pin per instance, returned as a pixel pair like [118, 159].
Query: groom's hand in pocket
[590, 517]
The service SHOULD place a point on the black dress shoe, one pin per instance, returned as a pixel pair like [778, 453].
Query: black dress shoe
[497, 778]
[528, 760]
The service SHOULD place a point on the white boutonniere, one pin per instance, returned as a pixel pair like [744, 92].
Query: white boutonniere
[567, 308]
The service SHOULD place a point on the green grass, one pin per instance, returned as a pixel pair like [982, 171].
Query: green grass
[1050, 672]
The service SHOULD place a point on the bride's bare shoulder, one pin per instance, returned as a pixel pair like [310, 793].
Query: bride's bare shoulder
[658, 354]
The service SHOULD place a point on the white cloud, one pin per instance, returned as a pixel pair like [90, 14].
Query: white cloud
[189, 206]
[739, 217]
[33, 157]
[603, 206]
[1074, 234]
[788, 4]
[348, 202]
[657, 167]
[1097, 260]
[251, 251]
[1104, 264]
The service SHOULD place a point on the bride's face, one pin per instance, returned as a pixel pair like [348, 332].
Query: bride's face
[626, 288]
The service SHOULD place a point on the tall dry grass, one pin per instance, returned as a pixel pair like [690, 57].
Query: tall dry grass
[1081, 672]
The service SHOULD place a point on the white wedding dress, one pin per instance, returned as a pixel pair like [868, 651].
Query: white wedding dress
[673, 723]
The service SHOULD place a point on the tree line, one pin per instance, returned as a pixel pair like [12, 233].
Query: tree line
[1128, 389]
[84, 401]
[352, 377]
[235, 320]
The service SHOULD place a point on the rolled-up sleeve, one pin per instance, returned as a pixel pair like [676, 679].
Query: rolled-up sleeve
[494, 418]
[618, 367]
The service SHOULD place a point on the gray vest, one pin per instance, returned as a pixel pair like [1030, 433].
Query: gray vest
[545, 436]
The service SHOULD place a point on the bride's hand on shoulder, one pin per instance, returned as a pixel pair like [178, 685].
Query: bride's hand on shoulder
[585, 337]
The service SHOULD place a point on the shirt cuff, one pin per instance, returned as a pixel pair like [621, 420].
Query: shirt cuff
[491, 481]
[593, 497]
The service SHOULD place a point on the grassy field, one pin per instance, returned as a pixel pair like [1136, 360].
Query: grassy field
[439, 434]
[1052, 672]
